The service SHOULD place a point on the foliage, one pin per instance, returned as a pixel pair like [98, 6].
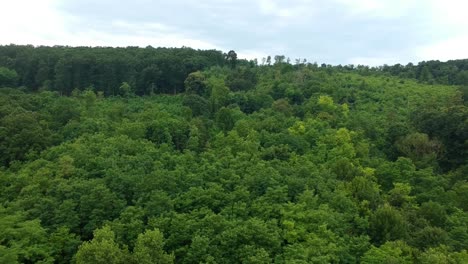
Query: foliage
[235, 163]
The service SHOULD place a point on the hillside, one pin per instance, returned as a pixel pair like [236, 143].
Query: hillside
[227, 162]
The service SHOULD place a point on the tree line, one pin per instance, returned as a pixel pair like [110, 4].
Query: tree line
[163, 70]
[62, 69]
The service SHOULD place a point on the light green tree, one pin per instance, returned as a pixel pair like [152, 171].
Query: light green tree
[149, 249]
[102, 249]
[7, 77]
[395, 252]
[126, 90]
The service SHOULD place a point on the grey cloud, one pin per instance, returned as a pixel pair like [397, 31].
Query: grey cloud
[322, 31]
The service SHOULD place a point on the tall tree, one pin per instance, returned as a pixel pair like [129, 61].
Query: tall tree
[231, 57]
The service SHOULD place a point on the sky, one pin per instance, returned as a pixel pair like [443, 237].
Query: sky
[369, 32]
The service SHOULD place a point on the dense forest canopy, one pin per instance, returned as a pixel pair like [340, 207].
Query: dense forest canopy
[175, 155]
[62, 68]
[163, 70]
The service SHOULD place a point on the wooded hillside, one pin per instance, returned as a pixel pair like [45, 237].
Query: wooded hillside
[131, 155]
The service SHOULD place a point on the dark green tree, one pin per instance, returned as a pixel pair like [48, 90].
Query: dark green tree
[231, 58]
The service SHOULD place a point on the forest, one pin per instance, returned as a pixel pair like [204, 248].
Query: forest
[177, 155]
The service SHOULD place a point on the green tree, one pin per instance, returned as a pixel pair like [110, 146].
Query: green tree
[63, 245]
[224, 119]
[63, 77]
[102, 249]
[426, 75]
[21, 134]
[8, 77]
[22, 240]
[149, 249]
[395, 252]
[400, 195]
[442, 255]
[434, 213]
[419, 148]
[219, 93]
[231, 58]
[199, 105]
[126, 90]
[195, 83]
[386, 224]
[89, 97]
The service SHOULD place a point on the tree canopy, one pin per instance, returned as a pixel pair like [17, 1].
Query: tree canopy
[155, 155]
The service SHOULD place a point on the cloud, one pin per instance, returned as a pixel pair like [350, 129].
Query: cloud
[251, 54]
[331, 31]
[42, 23]
[290, 11]
[380, 9]
[143, 34]
[376, 61]
[447, 33]
[99, 38]
[269, 8]
[122, 24]
[449, 49]
[451, 14]
[26, 22]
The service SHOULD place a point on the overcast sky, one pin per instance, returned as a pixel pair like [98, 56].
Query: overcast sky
[372, 32]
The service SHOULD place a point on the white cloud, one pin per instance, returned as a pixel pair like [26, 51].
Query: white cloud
[251, 54]
[376, 61]
[452, 13]
[26, 22]
[42, 23]
[292, 10]
[144, 34]
[449, 49]
[98, 38]
[122, 24]
[269, 7]
[257, 28]
[449, 31]
[378, 8]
